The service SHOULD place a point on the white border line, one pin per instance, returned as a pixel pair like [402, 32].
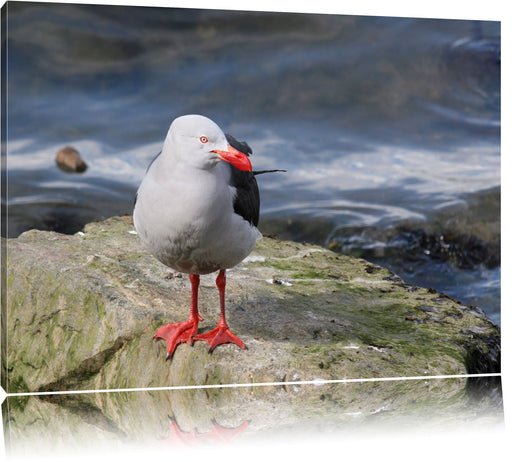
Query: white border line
[256, 384]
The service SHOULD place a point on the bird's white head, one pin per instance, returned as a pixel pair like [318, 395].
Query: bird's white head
[198, 141]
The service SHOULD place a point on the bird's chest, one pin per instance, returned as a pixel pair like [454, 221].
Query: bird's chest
[198, 206]
[183, 211]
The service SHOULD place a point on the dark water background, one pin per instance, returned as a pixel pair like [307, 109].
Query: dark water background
[389, 127]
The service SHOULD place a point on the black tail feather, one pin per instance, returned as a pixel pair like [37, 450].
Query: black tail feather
[258, 172]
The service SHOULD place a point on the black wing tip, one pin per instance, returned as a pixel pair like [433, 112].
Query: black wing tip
[246, 202]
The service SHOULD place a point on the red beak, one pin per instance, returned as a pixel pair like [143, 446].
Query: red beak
[236, 158]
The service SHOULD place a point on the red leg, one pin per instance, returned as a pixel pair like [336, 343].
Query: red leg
[221, 334]
[181, 332]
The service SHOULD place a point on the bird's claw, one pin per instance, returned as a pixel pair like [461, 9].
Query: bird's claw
[176, 333]
[218, 336]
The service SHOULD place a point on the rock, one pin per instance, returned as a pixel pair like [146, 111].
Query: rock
[69, 160]
[82, 310]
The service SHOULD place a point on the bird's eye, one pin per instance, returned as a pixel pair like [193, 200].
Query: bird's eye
[203, 139]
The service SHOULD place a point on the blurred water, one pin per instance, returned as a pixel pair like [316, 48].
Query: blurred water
[378, 121]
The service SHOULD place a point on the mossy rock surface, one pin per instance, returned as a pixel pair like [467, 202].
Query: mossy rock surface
[82, 310]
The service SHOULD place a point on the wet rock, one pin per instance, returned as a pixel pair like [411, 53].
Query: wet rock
[466, 235]
[69, 160]
[404, 243]
[82, 310]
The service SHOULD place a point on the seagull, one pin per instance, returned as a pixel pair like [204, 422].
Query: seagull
[197, 211]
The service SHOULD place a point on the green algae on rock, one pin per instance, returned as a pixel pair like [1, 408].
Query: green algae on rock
[82, 311]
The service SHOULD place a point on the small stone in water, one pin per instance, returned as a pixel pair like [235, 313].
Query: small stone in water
[69, 160]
